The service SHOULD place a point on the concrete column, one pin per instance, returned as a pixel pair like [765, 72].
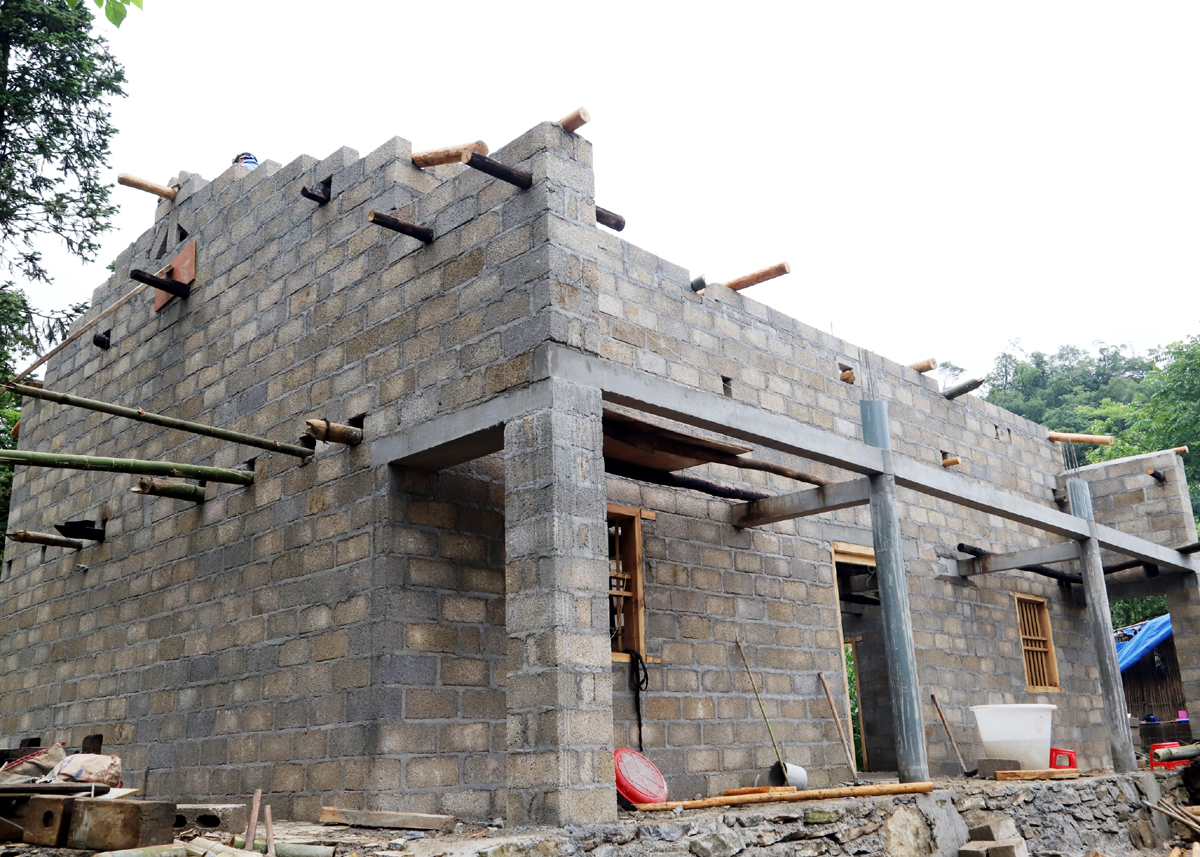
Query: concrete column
[1116, 714]
[559, 694]
[911, 760]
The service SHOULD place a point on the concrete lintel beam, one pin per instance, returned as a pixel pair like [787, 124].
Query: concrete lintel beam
[1138, 548]
[1046, 555]
[461, 436]
[801, 504]
[653, 395]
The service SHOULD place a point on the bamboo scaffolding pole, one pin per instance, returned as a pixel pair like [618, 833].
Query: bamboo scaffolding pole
[166, 488]
[572, 122]
[161, 420]
[448, 154]
[128, 465]
[759, 277]
[148, 186]
[285, 849]
[200, 846]
[120, 303]
[48, 539]
[1093, 439]
[808, 794]
[333, 432]
[924, 366]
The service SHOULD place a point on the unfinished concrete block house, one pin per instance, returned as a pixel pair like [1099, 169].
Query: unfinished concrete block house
[568, 455]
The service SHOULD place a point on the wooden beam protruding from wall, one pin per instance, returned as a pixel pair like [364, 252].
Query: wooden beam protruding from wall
[412, 230]
[989, 563]
[1158, 475]
[951, 461]
[319, 196]
[1182, 450]
[801, 504]
[572, 122]
[333, 432]
[148, 186]
[497, 170]
[48, 539]
[963, 388]
[759, 277]
[448, 154]
[611, 219]
[924, 366]
[1068, 437]
[172, 287]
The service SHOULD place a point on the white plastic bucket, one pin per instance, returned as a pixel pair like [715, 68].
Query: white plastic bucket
[1020, 732]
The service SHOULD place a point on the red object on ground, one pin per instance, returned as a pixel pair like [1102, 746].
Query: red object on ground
[1062, 758]
[638, 781]
[1170, 766]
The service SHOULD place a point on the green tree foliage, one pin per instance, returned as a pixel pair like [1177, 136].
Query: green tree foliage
[1164, 413]
[54, 132]
[24, 332]
[1061, 390]
[1134, 610]
[114, 10]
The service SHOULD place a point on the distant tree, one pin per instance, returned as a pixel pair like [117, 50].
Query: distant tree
[949, 372]
[1134, 610]
[1164, 413]
[55, 77]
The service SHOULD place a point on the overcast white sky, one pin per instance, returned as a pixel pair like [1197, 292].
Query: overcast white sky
[943, 177]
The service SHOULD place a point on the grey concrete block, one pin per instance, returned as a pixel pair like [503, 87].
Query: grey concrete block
[988, 767]
[232, 817]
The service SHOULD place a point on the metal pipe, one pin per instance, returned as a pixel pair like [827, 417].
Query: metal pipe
[160, 420]
[911, 759]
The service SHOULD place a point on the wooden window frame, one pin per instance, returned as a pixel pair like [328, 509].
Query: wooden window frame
[633, 563]
[1037, 643]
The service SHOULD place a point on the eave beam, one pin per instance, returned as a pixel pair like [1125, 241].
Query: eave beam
[801, 504]
[1046, 555]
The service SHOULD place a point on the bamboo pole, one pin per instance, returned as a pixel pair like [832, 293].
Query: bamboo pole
[963, 388]
[611, 219]
[95, 321]
[148, 186]
[837, 718]
[759, 276]
[924, 366]
[333, 432]
[286, 849]
[161, 420]
[48, 539]
[175, 849]
[448, 154]
[808, 794]
[199, 847]
[497, 170]
[572, 122]
[1093, 439]
[166, 488]
[421, 233]
[128, 465]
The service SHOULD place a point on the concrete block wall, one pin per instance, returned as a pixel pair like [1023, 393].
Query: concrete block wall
[966, 634]
[337, 633]
[309, 634]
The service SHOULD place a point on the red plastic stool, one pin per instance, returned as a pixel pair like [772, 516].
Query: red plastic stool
[1170, 766]
[1062, 758]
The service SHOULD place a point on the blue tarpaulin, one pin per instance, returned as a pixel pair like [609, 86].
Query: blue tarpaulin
[1153, 632]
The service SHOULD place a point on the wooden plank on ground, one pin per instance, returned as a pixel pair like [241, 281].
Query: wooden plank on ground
[369, 818]
[1047, 774]
[760, 790]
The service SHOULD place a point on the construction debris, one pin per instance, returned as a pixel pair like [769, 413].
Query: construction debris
[366, 818]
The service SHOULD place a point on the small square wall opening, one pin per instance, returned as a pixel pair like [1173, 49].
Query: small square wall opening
[727, 386]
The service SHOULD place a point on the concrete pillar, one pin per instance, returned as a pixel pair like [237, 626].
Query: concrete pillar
[1116, 714]
[559, 693]
[911, 760]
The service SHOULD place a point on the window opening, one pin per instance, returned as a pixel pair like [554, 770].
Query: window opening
[626, 599]
[1037, 644]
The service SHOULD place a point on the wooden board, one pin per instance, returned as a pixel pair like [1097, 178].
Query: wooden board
[1047, 774]
[182, 270]
[366, 818]
[644, 452]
